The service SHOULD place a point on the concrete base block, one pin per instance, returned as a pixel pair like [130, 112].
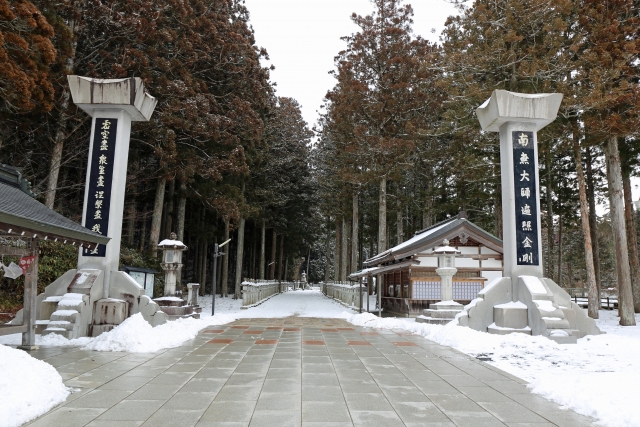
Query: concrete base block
[441, 314]
[511, 315]
[99, 329]
[110, 311]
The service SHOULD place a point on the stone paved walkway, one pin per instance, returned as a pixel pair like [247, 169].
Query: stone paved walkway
[294, 372]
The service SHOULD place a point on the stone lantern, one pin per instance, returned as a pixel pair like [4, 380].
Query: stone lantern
[171, 262]
[446, 268]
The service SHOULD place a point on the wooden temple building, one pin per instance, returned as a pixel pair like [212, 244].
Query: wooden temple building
[408, 271]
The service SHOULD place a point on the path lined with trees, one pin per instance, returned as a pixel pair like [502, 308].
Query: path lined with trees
[398, 146]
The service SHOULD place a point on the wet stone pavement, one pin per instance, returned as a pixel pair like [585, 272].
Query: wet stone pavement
[294, 372]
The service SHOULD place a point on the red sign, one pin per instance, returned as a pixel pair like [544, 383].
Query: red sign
[26, 262]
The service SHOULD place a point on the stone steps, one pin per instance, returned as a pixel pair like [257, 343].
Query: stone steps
[440, 313]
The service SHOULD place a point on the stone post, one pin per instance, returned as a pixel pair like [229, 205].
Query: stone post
[446, 269]
[113, 105]
[192, 298]
[518, 117]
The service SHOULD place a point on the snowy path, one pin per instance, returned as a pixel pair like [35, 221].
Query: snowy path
[596, 377]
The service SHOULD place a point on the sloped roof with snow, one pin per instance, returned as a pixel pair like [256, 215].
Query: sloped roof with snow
[432, 237]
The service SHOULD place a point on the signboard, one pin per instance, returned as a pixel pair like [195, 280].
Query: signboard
[100, 180]
[526, 198]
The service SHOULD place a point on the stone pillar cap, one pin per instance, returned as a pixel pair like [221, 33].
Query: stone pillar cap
[106, 94]
[504, 106]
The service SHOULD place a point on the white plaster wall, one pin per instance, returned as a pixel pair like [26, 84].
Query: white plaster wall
[468, 250]
[487, 251]
[428, 261]
[492, 263]
[491, 275]
[467, 262]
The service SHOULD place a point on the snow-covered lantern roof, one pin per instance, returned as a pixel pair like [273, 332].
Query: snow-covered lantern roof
[446, 255]
[172, 250]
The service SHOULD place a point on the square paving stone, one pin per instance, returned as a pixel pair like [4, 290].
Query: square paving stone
[309, 379]
[359, 386]
[205, 385]
[155, 392]
[511, 412]
[280, 401]
[376, 419]
[367, 402]
[483, 394]
[325, 411]
[132, 410]
[322, 394]
[99, 399]
[234, 411]
[403, 394]
[107, 423]
[419, 412]
[283, 385]
[273, 418]
[174, 417]
[190, 400]
[126, 382]
[238, 392]
[68, 417]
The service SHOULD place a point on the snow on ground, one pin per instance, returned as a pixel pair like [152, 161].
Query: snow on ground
[137, 336]
[596, 377]
[29, 387]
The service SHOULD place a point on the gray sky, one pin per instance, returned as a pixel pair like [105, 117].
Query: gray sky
[303, 36]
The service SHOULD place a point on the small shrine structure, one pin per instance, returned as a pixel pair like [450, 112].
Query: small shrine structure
[408, 271]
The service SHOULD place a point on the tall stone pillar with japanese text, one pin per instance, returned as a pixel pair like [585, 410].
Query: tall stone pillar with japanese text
[518, 117]
[113, 105]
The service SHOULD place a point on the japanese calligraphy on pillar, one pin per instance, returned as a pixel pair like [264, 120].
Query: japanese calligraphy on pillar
[100, 179]
[526, 198]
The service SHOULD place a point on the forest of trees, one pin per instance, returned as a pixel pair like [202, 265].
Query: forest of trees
[397, 147]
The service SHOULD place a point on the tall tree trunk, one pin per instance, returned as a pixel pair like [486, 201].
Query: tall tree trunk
[131, 223]
[593, 221]
[154, 235]
[337, 257]
[354, 234]
[263, 254]
[327, 265]
[344, 251]
[56, 155]
[224, 282]
[559, 281]
[180, 214]
[382, 216]
[169, 221]
[399, 222]
[203, 267]
[239, 258]
[616, 199]
[547, 161]
[286, 267]
[594, 297]
[631, 238]
[272, 267]
[143, 229]
[280, 257]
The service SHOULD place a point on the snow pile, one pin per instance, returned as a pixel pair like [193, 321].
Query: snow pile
[29, 387]
[136, 335]
[596, 377]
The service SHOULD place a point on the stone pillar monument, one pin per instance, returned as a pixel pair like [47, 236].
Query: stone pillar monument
[113, 105]
[523, 300]
[518, 117]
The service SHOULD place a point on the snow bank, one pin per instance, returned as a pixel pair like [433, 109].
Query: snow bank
[29, 387]
[596, 377]
[136, 335]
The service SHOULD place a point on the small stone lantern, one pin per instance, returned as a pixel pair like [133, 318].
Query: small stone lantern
[446, 268]
[171, 262]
